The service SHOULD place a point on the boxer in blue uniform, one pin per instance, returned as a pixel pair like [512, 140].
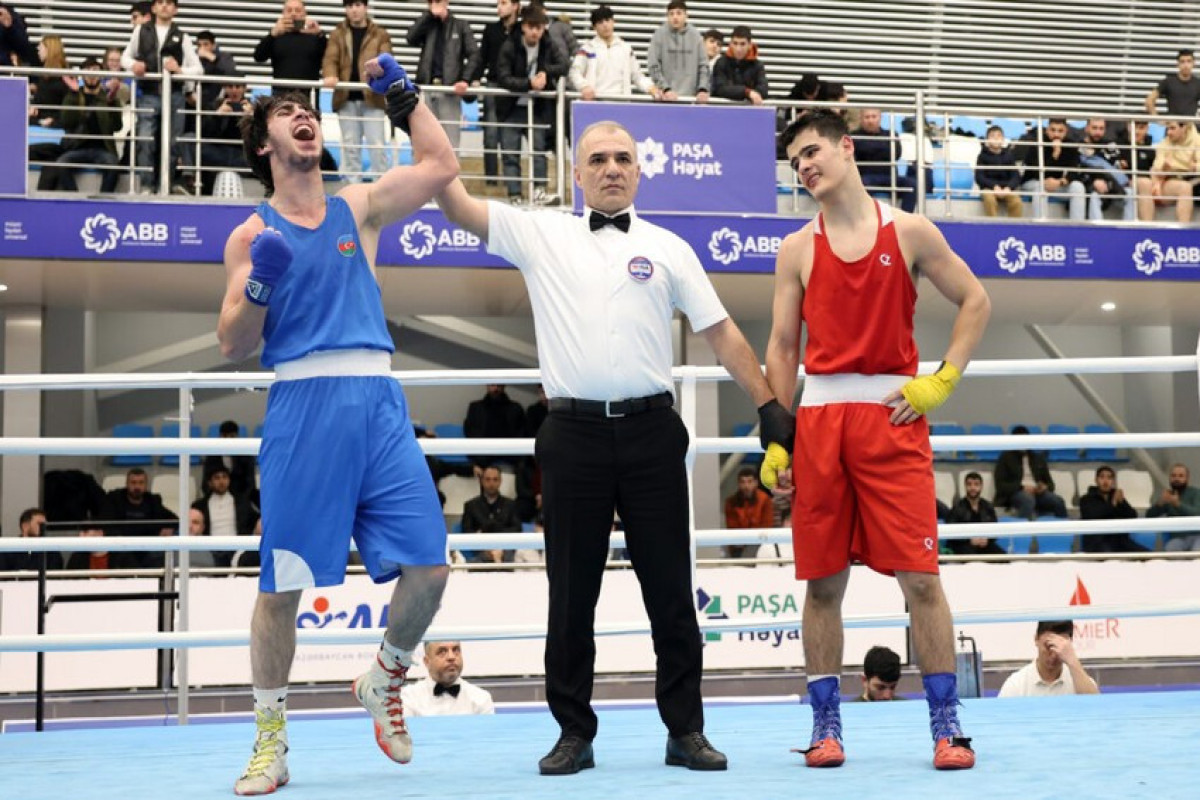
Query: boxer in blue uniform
[339, 458]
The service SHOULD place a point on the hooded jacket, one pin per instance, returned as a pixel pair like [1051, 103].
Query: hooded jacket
[733, 78]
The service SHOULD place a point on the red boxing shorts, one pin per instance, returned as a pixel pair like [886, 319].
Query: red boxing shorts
[864, 487]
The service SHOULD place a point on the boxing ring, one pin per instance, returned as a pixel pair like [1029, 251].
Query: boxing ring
[1119, 744]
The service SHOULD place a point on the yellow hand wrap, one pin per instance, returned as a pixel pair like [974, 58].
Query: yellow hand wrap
[774, 462]
[928, 392]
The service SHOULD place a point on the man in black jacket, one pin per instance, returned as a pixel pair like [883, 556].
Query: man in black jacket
[1106, 501]
[494, 36]
[1024, 484]
[32, 520]
[528, 61]
[997, 175]
[226, 514]
[490, 512]
[221, 131]
[494, 416]
[875, 153]
[14, 38]
[1053, 168]
[137, 505]
[295, 46]
[738, 74]
[449, 57]
[971, 507]
[91, 117]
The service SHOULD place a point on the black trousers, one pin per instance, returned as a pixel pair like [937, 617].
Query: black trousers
[634, 465]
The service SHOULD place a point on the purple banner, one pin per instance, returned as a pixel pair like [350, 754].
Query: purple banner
[14, 142]
[96, 231]
[695, 158]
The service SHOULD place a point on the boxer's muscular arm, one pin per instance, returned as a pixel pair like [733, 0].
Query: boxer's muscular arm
[240, 326]
[783, 346]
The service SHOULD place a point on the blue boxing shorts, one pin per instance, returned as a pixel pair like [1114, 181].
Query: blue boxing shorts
[339, 458]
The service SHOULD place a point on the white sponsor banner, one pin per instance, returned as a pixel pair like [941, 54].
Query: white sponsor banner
[90, 670]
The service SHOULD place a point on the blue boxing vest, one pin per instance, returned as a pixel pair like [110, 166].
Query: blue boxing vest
[328, 299]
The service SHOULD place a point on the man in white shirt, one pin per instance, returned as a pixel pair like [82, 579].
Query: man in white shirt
[604, 289]
[443, 692]
[1056, 670]
[607, 65]
[161, 47]
[225, 514]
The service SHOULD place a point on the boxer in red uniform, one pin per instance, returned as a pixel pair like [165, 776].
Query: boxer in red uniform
[863, 467]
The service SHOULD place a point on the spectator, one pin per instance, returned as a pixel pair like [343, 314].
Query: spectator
[714, 42]
[494, 36]
[240, 468]
[1045, 676]
[559, 30]
[32, 520]
[997, 175]
[606, 66]
[356, 40]
[154, 48]
[1142, 150]
[748, 507]
[1023, 482]
[1181, 90]
[490, 512]
[91, 119]
[1174, 175]
[295, 46]
[115, 85]
[50, 91]
[15, 47]
[221, 131]
[449, 57]
[529, 61]
[197, 526]
[971, 507]
[536, 413]
[225, 514]
[807, 88]
[215, 63]
[875, 154]
[1179, 500]
[738, 74]
[494, 416]
[676, 61]
[443, 692]
[881, 674]
[141, 13]
[1106, 501]
[1052, 168]
[135, 504]
[1099, 155]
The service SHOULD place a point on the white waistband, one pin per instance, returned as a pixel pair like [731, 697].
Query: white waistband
[823, 390]
[335, 363]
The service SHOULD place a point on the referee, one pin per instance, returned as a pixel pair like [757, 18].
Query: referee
[604, 287]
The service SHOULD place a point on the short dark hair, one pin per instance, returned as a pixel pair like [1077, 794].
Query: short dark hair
[348, 2]
[994, 128]
[29, 514]
[1056, 121]
[1019, 430]
[534, 15]
[229, 426]
[674, 4]
[713, 33]
[135, 471]
[1063, 627]
[809, 84]
[141, 7]
[601, 13]
[740, 32]
[90, 62]
[747, 472]
[253, 128]
[972, 476]
[831, 90]
[883, 663]
[1105, 468]
[824, 121]
[206, 36]
[1184, 52]
[219, 469]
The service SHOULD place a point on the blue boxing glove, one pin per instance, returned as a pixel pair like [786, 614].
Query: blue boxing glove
[270, 255]
[392, 73]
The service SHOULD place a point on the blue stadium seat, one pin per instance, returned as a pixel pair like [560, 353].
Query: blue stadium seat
[1014, 544]
[132, 431]
[40, 135]
[258, 429]
[1033, 429]
[1156, 131]
[1147, 539]
[1106, 454]
[743, 429]
[961, 179]
[448, 430]
[1055, 429]
[1055, 544]
[948, 429]
[986, 429]
[170, 430]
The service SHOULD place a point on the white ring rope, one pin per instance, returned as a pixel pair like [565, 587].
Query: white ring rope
[57, 643]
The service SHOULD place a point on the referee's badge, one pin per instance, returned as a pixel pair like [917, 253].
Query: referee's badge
[640, 269]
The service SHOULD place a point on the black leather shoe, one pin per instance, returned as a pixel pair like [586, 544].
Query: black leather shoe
[694, 751]
[569, 755]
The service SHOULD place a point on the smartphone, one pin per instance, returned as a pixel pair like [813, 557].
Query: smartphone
[298, 24]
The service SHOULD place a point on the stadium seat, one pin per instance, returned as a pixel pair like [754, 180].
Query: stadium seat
[1064, 485]
[1147, 539]
[944, 486]
[170, 430]
[1107, 454]
[1056, 429]
[458, 491]
[743, 429]
[947, 429]
[952, 179]
[448, 430]
[1014, 544]
[1055, 544]
[132, 431]
[985, 429]
[1138, 486]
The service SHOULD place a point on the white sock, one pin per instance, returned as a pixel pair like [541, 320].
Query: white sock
[270, 699]
[815, 678]
[393, 656]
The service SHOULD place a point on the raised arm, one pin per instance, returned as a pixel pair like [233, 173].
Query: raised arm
[463, 210]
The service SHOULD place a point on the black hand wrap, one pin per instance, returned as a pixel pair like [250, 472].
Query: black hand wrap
[400, 103]
[776, 425]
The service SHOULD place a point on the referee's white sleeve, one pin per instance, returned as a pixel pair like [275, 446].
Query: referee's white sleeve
[692, 291]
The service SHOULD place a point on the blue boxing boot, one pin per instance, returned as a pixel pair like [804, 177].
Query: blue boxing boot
[825, 749]
[951, 750]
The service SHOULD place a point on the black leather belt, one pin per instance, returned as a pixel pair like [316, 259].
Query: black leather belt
[611, 408]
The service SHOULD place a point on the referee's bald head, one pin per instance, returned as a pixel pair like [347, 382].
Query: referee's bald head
[606, 166]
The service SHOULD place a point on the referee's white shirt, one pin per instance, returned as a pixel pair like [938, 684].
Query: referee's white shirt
[420, 701]
[603, 301]
[1028, 682]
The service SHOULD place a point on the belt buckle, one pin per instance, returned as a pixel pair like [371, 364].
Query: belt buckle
[608, 409]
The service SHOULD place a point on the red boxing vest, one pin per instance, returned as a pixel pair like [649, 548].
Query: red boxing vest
[860, 313]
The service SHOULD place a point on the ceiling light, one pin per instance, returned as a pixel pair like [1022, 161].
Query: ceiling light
[3, 287]
[1108, 306]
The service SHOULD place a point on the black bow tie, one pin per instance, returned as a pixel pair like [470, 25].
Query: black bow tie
[439, 690]
[621, 221]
